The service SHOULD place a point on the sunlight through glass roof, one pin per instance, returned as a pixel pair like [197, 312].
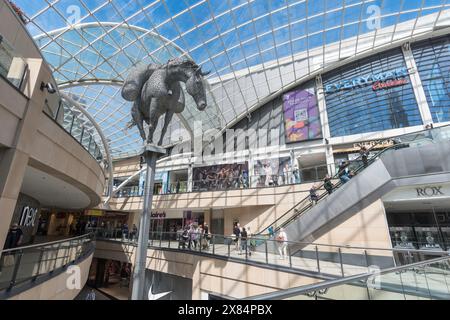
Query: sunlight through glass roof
[254, 49]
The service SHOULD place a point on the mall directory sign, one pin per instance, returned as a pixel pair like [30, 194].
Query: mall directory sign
[301, 115]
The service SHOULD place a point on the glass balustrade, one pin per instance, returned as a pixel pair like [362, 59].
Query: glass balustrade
[20, 266]
[13, 68]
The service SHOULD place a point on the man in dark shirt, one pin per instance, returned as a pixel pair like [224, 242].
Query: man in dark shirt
[244, 240]
[14, 237]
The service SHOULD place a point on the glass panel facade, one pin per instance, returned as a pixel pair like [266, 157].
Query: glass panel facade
[433, 62]
[373, 94]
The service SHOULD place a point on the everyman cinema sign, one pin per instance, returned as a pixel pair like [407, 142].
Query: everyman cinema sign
[384, 80]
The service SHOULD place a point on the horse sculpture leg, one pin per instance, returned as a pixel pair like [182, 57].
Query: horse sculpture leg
[138, 119]
[167, 119]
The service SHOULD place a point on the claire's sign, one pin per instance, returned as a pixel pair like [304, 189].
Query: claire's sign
[384, 80]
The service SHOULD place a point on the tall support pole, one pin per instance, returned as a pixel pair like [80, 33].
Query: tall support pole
[151, 154]
[325, 125]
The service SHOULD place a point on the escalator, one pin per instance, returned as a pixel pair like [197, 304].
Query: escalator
[418, 158]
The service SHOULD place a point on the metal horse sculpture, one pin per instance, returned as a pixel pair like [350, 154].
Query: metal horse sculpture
[155, 90]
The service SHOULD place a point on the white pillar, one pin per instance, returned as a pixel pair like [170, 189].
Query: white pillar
[325, 125]
[190, 181]
[416, 83]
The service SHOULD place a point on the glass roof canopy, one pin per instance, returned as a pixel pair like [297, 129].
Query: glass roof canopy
[253, 48]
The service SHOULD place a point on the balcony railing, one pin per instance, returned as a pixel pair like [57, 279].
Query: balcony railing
[72, 124]
[20, 267]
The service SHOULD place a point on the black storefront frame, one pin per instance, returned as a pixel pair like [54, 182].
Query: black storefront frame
[443, 241]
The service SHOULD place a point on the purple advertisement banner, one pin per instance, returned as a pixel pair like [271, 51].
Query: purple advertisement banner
[301, 116]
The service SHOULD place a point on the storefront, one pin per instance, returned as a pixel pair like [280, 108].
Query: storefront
[26, 216]
[419, 217]
[172, 220]
[105, 219]
[58, 224]
[372, 95]
[350, 152]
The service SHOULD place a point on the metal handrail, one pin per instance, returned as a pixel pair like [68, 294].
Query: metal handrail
[334, 283]
[250, 237]
[88, 235]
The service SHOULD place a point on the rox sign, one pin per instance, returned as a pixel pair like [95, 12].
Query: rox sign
[378, 81]
[430, 191]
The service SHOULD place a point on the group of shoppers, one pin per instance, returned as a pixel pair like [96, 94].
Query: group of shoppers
[243, 240]
[195, 236]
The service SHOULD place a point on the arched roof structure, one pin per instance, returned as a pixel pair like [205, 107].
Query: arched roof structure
[255, 49]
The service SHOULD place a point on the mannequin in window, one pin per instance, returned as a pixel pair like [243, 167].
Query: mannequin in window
[430, 241]
[404, 241]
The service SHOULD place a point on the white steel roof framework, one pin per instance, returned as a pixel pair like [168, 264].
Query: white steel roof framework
[254, 49]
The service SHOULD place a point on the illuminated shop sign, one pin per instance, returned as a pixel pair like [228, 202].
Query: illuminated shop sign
[389, 79]
[28, 217]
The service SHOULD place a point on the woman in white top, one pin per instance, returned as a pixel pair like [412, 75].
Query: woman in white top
[282, 241]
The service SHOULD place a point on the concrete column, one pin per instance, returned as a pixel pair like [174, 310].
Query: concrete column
[12, 171]
[190, 177]
[325, 125]
[196, 278]
[251, 169]
[416, 82]
[14, 161]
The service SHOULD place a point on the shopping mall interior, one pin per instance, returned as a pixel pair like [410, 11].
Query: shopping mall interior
[224, 150]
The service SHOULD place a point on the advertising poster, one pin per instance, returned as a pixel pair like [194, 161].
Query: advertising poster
[272, 172]
[221, 177]
[301, 116]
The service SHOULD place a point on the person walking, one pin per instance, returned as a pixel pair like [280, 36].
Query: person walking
[252, 241]
[282, 241]
[244, 237]
[124, 231]
[192, 238]
[343, 175]
[271, 232]
[364, 156]
[237, 234]
[14, 237]
[133, 233]
[313, 195]
[91, 295]
[327, 184]
[206, 235]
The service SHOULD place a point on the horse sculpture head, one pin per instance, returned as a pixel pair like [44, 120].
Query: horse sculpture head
[195, 85]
